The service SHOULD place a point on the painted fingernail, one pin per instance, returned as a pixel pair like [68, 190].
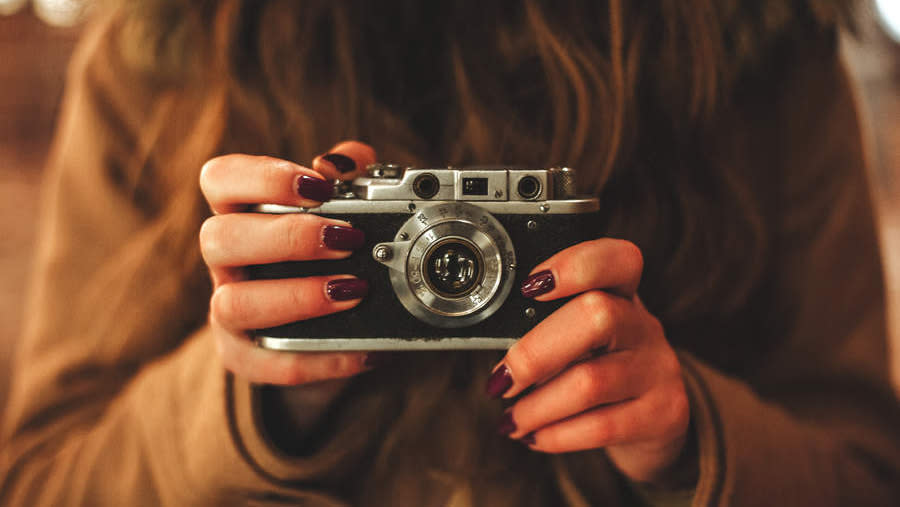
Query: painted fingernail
[314, 188]
[378, 358]
[339, 237]
[499, 382]
[507, 425]
[342, 163]
[344, 289]
[539, 283]
[528, 439]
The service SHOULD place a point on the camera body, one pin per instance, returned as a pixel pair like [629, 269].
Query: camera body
[445, 254]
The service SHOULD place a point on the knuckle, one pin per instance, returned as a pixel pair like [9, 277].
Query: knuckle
[655, 328]
[210, 237]
[296, 374]
[600, 310]
[523, 360]
[669, 363]
[225, 304]
[326, 367]
[297, 234]
[368, 151]
[343, 365]
[589, 380]
[550, 443]
[603, 430]
[632, 256]
[274, 169]
[593, 302]
[211, 172]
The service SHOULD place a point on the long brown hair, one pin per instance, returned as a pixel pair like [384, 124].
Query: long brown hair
[630, 93]
[623, 91]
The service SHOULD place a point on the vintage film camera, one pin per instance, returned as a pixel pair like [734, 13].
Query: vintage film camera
[446, 251]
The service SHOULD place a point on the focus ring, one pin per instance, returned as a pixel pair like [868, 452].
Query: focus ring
[476, 238]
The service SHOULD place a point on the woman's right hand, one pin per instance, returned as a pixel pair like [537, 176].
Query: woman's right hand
[232, 239]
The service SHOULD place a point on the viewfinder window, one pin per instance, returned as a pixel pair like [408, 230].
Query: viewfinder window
[475, 186]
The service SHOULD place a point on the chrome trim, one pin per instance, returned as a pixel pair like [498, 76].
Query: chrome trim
[363, 344]
[351, 206]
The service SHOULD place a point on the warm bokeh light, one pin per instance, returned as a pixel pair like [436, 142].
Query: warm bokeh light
[61, 12]
[11, 6]
[889, 15]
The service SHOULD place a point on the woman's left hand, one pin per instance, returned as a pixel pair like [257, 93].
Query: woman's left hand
[603, 374]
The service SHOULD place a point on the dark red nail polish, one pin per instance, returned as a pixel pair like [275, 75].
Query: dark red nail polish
[345, 289]
[342, 163]
[528, 439]
[339, 237]
[379, 358]
[507, 425]
[314, 188]
[539, 283]
[499, 382]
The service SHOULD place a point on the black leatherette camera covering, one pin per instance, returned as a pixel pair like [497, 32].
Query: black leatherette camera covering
[381, 315]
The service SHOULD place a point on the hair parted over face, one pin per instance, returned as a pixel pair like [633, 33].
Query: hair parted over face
[624, 91]
[629, 93]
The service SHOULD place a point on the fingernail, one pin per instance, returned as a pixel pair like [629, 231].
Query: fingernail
[314, 188]
[342, 163]
[539, 283]
[528, 439]
[339, 237]
[344, 289]
[499, 382]
[379, 358]
[507, 425]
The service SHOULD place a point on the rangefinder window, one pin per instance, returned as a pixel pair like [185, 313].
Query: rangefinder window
[529, 187]
[426, 185]
[475, 186]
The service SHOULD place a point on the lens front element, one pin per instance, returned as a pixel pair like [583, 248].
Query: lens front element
[453, 267]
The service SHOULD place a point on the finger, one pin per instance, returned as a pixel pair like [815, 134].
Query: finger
[232, 182]
[221, 276]
[610, 264]
[241, 239]
[660, 417]
[555, 342]
[259, 304]
[609, 378]
[259, 365]
[345, 161]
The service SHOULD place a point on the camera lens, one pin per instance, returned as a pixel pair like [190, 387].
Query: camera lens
[454, 267]
[426, 185]
[529, 187]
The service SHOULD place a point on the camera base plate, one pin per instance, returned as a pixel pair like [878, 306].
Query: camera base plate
[362, 344]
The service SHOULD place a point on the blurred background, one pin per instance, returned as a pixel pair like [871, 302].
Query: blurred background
[37, 38]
